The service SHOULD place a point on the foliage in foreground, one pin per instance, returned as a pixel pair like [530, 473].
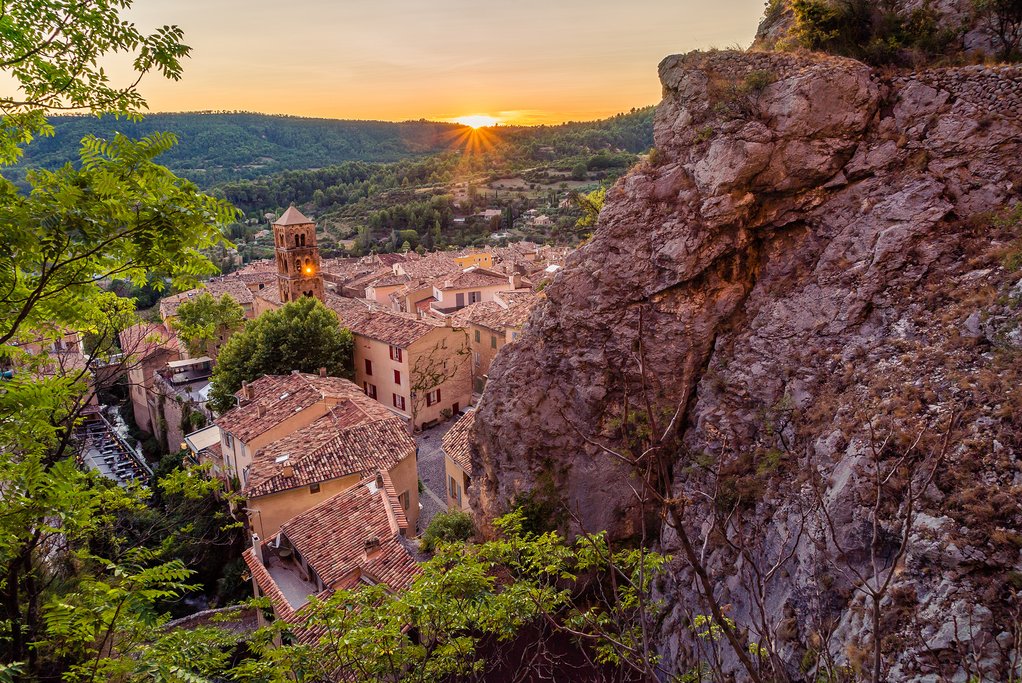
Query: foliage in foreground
[302, 335]
[203, 323]
[446, 527]
[467, 609]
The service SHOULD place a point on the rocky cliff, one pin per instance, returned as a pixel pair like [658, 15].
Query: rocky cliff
[804, 293]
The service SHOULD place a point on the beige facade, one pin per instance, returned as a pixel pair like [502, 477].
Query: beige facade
[485, 344]
[267, 513]
[425, 382]
[457, 483]
[453, 298]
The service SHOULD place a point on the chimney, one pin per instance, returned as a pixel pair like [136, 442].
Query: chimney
[246, 391]
[322, 372]
[257, 548]
[372, 544]
[261, 410]
[288, 471]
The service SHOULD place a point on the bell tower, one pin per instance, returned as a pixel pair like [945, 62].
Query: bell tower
[294, 237]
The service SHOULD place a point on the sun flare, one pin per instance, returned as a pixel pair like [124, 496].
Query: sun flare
[477, 121]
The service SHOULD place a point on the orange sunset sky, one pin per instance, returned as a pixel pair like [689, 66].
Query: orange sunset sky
[521, 61]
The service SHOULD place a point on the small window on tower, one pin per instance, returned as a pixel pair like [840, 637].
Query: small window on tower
[303, 239]
[298, 265]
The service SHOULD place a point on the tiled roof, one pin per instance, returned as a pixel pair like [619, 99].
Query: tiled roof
[429, 266]
[272, 295]
[362, 281]
[391, 259]
[472, 277]
[369, 320]
[455, 441]
[357, 436]
[508, 309]
[260, 267]
[292, 217]
[279, 397]
[332, 536]
[388, 280]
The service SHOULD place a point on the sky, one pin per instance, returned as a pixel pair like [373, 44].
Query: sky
[520, 61]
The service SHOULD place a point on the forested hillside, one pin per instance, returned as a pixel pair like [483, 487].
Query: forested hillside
[215, 148]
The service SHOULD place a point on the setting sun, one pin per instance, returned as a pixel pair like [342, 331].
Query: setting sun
[477, 121]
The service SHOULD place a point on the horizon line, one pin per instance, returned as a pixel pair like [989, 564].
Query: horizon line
[145, 114]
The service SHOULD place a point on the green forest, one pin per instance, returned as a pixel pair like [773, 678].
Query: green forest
[218, 147]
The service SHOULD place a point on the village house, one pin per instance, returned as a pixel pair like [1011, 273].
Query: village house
[470, 286]
[473, 257]
[354, 438]
[457, 462]
[235, 286]
[351, 539]
[418, 368]
[493, 324]
[147, 347]
[415, 367]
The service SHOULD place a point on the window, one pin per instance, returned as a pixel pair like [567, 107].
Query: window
[369, 367]
[475, 359]
[229, 440]
[399, 402]
[370, 389]
[475, 297]
[395, 353]
[405, 499]
[459, 300]
[477, 336]
[397, 377]
[452, 486]
[314, 488]
[493, 341]
[433, 397]
[515, 336]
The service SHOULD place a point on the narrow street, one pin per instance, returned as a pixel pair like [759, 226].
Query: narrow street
[431, 472]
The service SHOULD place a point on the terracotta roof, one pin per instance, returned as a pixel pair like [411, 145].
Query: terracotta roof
[391, 259]
[388, 280]
[357, 436]
[332, 536]
[472, 277]
[292, 217]
[362, 281]
[272, 295]
[455, 441]
[260, 267]
[508, 309]
[278, 397]
[369, 320]
[432, 265]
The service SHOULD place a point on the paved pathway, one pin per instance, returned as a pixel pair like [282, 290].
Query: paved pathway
[432, 472]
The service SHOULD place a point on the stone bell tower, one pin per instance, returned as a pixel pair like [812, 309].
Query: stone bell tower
[294, 237]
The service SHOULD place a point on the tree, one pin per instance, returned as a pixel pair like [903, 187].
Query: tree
[1004, 18]
[591, 205]
[115, 214]
[204, 323]
[473, 609]
[303, 335]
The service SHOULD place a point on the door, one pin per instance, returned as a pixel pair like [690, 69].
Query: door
[455, 408]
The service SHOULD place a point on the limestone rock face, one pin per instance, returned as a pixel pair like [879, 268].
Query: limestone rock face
[809, 262]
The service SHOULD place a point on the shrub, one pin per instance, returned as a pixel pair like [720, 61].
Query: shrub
[452, 526]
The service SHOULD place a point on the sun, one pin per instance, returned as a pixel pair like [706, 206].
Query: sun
[477, 121]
